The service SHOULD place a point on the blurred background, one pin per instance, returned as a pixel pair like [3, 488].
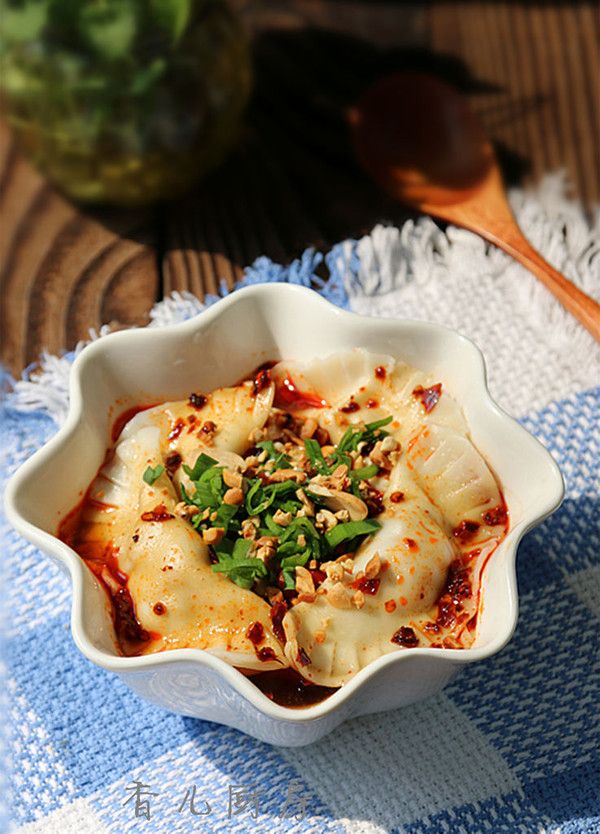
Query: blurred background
[148, 146]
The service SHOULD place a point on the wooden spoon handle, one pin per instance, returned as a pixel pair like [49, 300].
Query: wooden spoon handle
[487, 212]
[580, 305]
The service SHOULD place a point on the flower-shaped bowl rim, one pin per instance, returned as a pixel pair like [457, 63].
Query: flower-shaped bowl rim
[282, 294]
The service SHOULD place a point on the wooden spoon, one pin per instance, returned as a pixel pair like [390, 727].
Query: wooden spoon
[418, 138]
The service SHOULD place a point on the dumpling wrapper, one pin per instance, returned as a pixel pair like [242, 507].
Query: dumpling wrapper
[374, 385]
[168, 562]
[439, 466]
[444, 481]
[341, 641]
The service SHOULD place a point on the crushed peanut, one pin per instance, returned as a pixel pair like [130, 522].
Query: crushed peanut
[264, 553]
[385, 453]
[338, 476]
[234, 495]
[213, 535]
[303, 597]
[250, 463]
[358, 599]
[265, 548]
[268, 541]
[389, 444]
[339, 500]
[249, 528]
[338, 596]
[318, 486]
[282, 518]
[309, 427]
[281, 475]
[307, 505]
[304, 581]
[325, 520]
[184, 510]
[208, 431]
[274, 595]
[334, 571]
[256, 435]
[232, 478]
[373, 566]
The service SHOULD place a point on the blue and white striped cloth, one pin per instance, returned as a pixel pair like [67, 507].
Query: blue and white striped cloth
[512, 745]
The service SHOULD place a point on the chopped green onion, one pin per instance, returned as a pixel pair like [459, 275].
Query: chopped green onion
[315, 455]
[244, 572]
[153, 474]
[365, 473]
[225, 516]
[240, 550]
[289, 579]
[203, 462]
[350, 530]
[272, 526]
[355, 434]
[297, 542]
[279, 458]
[297, 559]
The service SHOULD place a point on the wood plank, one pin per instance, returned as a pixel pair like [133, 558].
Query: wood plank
[543, 60]
[293, 181]
[65, 270]
[530, 70]
[583, 156]
[550, 156]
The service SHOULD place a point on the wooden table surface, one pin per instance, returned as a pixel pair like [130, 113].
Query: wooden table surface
[531, 71]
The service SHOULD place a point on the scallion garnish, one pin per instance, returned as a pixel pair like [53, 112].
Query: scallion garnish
[152, 474]
[277, 528]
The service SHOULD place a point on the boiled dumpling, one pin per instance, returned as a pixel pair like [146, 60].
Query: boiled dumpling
[339, 377]
[178, 598]
[451, 509]
[332, 638]
[415, 582]
[452, 473]
[113, 501]
[222, 420]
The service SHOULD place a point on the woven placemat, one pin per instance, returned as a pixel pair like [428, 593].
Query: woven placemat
[511, 746]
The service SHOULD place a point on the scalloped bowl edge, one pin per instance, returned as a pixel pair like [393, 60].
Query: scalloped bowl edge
[213, 349]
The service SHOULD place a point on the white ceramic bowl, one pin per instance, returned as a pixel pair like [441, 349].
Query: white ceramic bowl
[219, 347]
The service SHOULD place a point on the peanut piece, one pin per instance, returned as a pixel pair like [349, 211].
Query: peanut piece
[373, 566]
[213, 535]
[232, 478]
[338, 596]
[234, 496]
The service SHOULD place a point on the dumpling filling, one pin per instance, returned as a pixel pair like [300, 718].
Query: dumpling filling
[314, 517]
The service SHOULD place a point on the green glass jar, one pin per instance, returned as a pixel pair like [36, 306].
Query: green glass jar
[124, 102]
